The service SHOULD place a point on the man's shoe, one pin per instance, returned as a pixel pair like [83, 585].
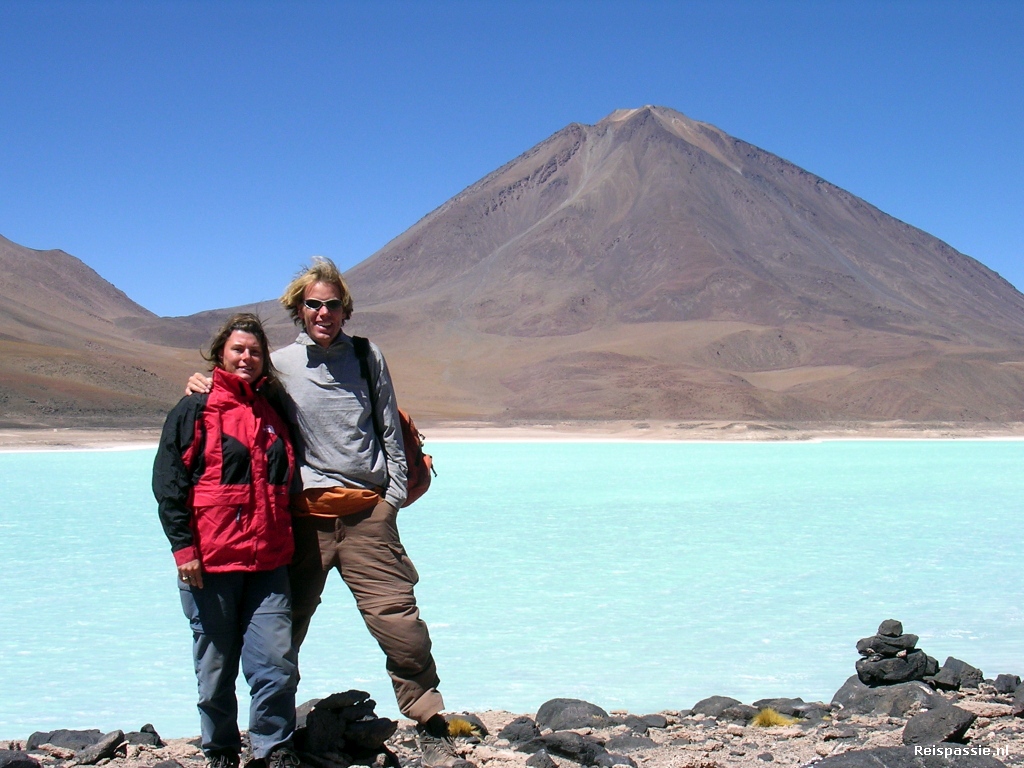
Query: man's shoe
[222, 761]
[437, 750]
[283, 757]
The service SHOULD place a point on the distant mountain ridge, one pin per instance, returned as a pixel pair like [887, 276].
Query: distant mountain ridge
[67, 354]
[646, 267]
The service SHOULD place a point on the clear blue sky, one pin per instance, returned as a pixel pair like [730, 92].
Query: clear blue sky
[196, 153]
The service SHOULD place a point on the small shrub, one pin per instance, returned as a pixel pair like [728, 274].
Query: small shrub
[458, 726]
[769, 718]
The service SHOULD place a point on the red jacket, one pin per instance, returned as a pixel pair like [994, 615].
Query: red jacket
[221, 478]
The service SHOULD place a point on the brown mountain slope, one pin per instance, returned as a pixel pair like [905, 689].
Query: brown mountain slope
[647, 267]
[651, 266]
[67, 355]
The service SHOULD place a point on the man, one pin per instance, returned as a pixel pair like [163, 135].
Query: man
[353, 483]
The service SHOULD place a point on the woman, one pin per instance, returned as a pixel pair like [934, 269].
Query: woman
[221, 478]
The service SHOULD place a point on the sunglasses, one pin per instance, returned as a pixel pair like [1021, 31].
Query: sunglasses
[333, 305]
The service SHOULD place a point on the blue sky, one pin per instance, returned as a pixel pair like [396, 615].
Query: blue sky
[197, 153]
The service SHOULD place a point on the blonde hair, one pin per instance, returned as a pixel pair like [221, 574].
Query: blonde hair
[322, 270]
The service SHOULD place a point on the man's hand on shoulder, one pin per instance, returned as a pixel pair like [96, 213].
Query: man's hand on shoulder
[198, 384]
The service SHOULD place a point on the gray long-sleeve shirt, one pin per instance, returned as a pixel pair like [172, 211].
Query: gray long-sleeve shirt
[330, 404]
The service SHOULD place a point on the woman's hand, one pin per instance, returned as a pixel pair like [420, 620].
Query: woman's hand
[198, 384]
[191, 573]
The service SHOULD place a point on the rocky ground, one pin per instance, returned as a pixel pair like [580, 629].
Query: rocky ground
[707, 736]
[941, 717]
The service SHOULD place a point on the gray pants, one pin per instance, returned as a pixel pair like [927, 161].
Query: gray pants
[366, 551]
[243, 616]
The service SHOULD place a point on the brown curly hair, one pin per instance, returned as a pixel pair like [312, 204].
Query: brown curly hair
[246, 322]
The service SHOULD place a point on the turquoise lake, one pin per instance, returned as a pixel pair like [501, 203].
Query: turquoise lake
[642, 576]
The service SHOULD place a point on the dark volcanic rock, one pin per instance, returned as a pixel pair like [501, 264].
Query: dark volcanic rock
[520, 730]
[369, 735]
[839, 733]
[104, 748]
[343, 724]
[340, 701]
[1006, 683]
[302, 712]
[890, 628]
[878, 670]
[713, 706]
[629, 743]
[608, 760]
[904, 757]
[738, 713]
[76, 740]
[893, 700]
[886, 646]
[782, 706]
[636, 724]
[941, 724]
[655, 721]
[1018, 701]
[541, 759]
[10, 758]
[956, 674]
[561, 714]
[566, 744]
[145, 735]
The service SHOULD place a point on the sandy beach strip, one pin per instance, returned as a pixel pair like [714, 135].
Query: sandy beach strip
[60, 439]
[50, 439]
[716, 431]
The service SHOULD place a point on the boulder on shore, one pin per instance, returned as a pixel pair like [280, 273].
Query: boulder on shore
[949, 723]
[563, 714]
[956, 674]
[714, 706]
[892, 700]
[11, 758]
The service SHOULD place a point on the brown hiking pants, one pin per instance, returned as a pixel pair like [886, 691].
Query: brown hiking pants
[368, 554]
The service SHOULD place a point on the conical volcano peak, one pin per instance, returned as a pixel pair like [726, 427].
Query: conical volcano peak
[650, 216]
[621, 115]
[704, 136]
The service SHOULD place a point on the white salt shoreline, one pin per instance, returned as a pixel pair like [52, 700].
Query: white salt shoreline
[19, 440]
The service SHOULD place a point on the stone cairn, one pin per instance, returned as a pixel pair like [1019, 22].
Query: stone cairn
[891, 657]
[342, 730]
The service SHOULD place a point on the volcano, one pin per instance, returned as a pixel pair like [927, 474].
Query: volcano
[648, 267]
[652, 266]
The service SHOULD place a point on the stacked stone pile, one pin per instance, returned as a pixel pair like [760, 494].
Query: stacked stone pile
[890, 657]
[341, 730]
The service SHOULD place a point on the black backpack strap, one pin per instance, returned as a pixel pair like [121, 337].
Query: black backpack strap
[362, 348]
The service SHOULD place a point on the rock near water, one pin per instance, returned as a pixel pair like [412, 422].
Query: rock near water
[947, 723]
[891, 657]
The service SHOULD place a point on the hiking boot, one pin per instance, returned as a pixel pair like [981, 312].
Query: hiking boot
[222, 760]
[437, 750]
[283, 757]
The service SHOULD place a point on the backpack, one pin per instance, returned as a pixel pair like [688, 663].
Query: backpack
[420, 464]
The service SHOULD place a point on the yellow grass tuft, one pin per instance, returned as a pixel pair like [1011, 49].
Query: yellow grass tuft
[769, 718]
[458, 726]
